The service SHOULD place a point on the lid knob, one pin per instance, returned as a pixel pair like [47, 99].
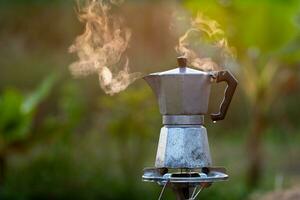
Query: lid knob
[182, 61]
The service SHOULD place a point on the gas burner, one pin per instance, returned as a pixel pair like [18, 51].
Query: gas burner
[186, 183]
[190, 176]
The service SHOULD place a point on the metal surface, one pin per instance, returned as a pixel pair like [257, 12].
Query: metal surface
[211, 177]
[183, 119]
[183, 147]
[186, 91]
[186, 185]
[181, 91]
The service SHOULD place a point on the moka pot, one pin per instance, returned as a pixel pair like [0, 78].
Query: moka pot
[183, 97]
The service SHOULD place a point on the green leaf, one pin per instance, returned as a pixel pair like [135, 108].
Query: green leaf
[32, 101]
[17, 112]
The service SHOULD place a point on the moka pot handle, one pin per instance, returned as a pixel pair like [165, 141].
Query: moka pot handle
[229, 91]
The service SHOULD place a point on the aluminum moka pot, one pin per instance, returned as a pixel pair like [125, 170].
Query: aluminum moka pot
[183, 96]
[186, 91]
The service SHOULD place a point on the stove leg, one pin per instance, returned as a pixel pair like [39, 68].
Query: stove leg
[183, 191]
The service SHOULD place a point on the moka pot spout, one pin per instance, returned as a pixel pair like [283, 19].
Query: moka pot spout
[154, 83]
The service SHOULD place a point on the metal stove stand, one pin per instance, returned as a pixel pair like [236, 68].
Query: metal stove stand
[186, 183]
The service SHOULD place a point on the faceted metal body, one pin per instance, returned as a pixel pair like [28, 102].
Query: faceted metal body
[183, 95]
[181, 91]
[183, 147]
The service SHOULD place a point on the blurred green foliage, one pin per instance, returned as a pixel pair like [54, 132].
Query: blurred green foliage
[91, 165]
[17, 112]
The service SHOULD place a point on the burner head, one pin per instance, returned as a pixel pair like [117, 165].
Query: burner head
[196, 176]
[186, 183]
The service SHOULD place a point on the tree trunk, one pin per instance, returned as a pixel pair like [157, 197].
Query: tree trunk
[2, 169]
[255, 152]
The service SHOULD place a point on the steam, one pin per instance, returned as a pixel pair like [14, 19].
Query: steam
[100, 49]
[211, 29]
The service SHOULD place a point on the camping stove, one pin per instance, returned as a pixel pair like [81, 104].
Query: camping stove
[183, 160]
